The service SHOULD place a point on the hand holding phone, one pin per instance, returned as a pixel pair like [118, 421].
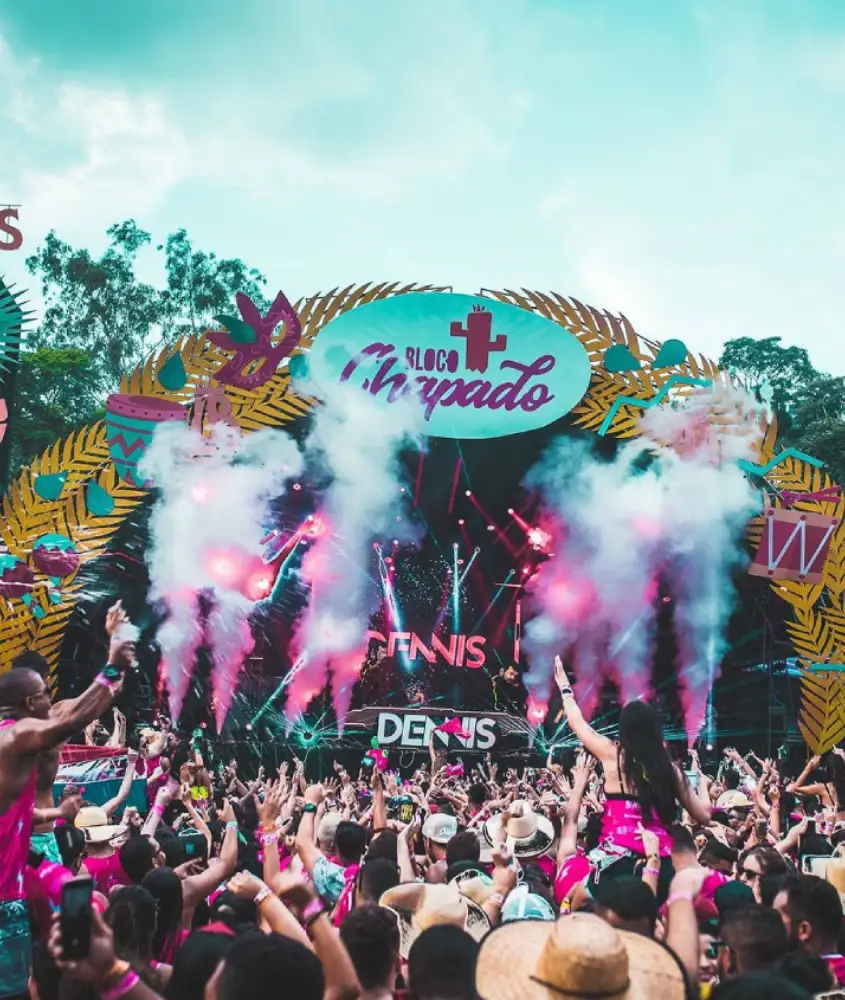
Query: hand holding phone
[75, 918]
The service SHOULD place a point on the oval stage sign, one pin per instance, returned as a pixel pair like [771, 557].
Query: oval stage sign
[483, 369]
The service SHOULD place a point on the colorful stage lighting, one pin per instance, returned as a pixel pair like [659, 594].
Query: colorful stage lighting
[258, 586]
[539, 538]
[316, 526]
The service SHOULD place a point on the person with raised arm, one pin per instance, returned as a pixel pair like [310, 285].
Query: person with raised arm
[30, 725]
[644, 787]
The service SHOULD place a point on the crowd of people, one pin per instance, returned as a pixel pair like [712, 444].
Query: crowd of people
[620, 876]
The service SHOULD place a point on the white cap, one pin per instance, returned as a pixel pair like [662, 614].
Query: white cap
[440, 828]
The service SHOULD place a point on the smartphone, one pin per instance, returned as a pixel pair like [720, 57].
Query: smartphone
[693, 780]
[75, 917]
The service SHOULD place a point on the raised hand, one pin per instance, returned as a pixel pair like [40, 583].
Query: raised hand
[561, 679]
[116, 617]
[244, 885]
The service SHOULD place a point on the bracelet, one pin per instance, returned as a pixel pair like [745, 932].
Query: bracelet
[268, 839]
[157, 810]
[677, 897]
[263, 895]
[497, 899]
[566, 691]
[651, 871]
[127, 981]
[312, 912]
[309, 807]
[232, 824]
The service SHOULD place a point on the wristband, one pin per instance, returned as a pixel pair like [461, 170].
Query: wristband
[111, 672]
[677, 897]
[651, 871]
[127, 981]
[157, 810]
[309, 807]
[106, 682]
[264, 895]
[268, 839]
[232, 824]
[312, 911]
[566, 907]
[497, 899]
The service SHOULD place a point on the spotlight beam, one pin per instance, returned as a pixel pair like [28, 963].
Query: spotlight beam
[283, 683]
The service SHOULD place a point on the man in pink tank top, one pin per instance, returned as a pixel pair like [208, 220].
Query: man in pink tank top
[29, 725]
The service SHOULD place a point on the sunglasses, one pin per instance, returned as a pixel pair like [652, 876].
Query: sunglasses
[749, 875]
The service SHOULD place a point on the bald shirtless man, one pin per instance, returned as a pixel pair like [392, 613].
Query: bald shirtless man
[29, 726]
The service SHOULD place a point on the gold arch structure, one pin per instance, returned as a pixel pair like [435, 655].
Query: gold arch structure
[817, 626]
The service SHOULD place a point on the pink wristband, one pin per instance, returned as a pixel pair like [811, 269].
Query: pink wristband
[651, 871]
[677, 896]
[157, 810]
[102, 679]
[313, 910]
[121, 987]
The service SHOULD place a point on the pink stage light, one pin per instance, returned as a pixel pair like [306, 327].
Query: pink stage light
[316, 527]
[222, 569]
[199, 493]
[462, 521]
[539, 538]
[536, 711]
[258, 586]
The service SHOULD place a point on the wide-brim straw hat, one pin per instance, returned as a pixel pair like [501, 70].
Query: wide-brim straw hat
[527, 835]
[418, 906]
[94, 823]
[733, 798]
[577, 957]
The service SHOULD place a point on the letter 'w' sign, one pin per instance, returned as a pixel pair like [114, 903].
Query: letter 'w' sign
[794, 546]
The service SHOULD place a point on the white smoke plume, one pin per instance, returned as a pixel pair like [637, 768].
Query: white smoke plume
[206, 530]
[669, 510]
[359, 443]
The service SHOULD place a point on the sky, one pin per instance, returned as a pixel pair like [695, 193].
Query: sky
[680, 161]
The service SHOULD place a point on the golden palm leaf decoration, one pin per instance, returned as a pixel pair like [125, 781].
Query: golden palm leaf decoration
[84, 456]
[818, 625]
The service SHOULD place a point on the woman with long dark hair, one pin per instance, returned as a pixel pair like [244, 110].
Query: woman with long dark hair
[645, 789]
[165, 886]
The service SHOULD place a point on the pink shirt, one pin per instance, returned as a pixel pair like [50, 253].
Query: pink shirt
[621, 826]
[15, 834]
[573, 870]
[107, 873]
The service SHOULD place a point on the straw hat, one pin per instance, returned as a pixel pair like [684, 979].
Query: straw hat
[578, 956]
[529, 834]
[94, 823]
[733, 799]
[418, 906]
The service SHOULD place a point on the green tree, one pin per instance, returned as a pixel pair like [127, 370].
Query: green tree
[809, 404]
[56, 391]
[100, 320]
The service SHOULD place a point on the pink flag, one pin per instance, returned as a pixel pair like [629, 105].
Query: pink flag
[454, 728]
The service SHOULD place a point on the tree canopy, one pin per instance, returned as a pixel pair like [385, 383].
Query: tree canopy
[101, 319]
[810, 405]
